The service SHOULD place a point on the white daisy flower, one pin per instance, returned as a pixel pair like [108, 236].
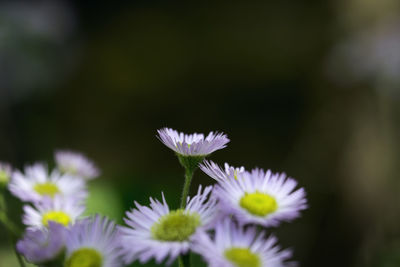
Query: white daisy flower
[192, 144]
[43, 246]
[36, 184]
[93, 242]
[234, 246]
[157, 232]
[76, 164]
[216, 172]
[59, 210]
[261, 198]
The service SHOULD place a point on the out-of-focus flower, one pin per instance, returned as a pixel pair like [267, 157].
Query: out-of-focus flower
[261, 198]
[5, 173]
[93, 242]
[59, 210]
[157, 232]
[39, 246]
[192, 144]
[216, 172]
[36, 184]
[43, 26]
[235, 246]
[372, 55]
[76, 164]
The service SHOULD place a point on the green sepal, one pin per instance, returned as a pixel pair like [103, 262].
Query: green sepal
[190, 163]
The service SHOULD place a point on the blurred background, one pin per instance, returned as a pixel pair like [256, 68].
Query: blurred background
[310, 88]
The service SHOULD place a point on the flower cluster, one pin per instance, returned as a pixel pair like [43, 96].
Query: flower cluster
[222, 222]
[226, 223]
[56, 234]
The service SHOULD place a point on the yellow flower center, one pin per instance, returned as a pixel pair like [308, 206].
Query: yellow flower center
[85, 257]
[242, 257]
[56, 216]
[259, 204]
[46, 189]
[178, 225]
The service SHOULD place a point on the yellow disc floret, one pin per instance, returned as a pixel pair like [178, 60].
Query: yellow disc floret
[56, 216]
[177, 225]
[85, 257]
[259, 204]
[242, 257]
[46, 189]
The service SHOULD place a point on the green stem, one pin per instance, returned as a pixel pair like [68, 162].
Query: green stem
[3, 206]
[186, 187]
[11, 227]
[20, 260]
[190, 163]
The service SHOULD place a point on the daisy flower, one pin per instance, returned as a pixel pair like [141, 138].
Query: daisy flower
[261, 198]
[192, 144]
[5, 173]
[235, 246]
[36, 184]
[40, 246]
[157, 232]
[216, 172]
[76, 164]
[93, 242]
[59, 210]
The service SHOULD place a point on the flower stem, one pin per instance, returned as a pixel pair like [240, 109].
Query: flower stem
[13, 230]
[20, 260]
[190, 164]
[186, 187]
[11, 227]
